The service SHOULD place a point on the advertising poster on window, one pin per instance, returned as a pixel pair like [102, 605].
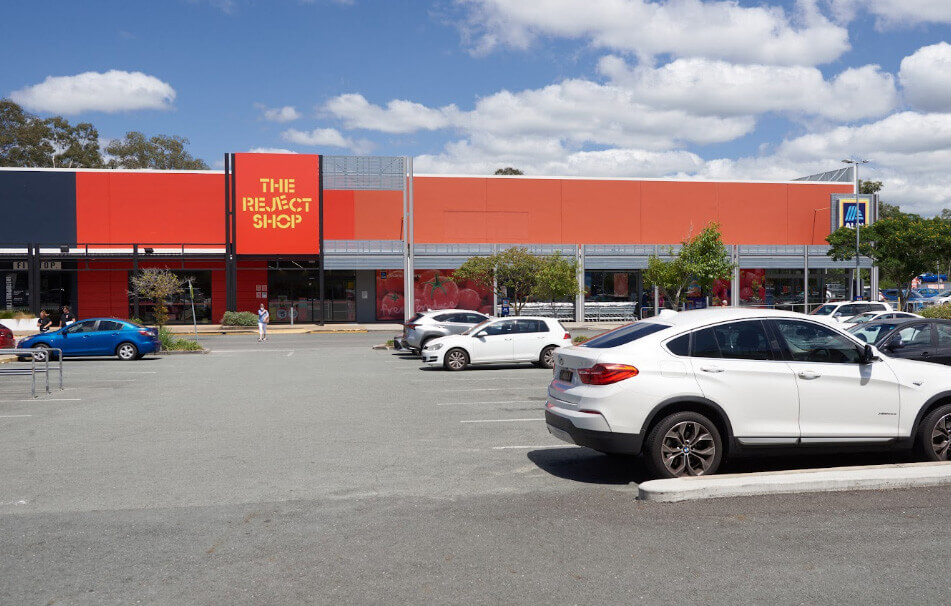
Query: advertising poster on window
[433, 289]
[276, 204]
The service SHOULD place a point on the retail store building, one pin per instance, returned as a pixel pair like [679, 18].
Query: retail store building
[270, 228]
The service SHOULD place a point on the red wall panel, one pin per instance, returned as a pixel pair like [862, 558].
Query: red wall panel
[161, 207]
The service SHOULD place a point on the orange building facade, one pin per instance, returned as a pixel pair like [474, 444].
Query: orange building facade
[103, 225]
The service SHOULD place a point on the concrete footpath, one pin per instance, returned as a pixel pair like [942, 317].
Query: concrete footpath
[871, 477]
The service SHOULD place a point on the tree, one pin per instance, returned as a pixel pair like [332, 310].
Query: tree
[157, 285]
[521, 276]
[28, 141]
[869, 187]
[702, 258]
[161, 152]
[508, 170]
[903, 246]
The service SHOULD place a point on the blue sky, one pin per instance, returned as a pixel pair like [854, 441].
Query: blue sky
[763, 89]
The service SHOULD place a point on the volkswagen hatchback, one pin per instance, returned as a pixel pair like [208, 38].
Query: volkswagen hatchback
[500, 340]
[687, 389]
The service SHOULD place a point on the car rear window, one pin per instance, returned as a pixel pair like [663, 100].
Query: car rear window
[625, 334]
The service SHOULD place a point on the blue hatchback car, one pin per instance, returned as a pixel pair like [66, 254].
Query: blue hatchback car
[97, 337]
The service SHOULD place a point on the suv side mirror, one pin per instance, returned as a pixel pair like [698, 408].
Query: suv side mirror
[867, 354]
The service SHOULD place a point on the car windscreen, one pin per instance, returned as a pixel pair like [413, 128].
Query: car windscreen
[870, 333]
[476, 327]
[823, 310]
[625, 334]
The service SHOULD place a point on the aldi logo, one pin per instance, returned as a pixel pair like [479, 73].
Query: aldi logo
[851, 211]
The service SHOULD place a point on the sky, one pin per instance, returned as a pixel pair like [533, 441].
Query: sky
[695, 89]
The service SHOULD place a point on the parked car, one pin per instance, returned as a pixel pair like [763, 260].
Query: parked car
[6, 338]
[687, 389]
[97, 337]
[498, 340]
[924, 339]
[428, 325]
[870, 316]
[838, 311]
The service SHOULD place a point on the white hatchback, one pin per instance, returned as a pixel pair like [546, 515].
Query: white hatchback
[499, 340]
[687, 389]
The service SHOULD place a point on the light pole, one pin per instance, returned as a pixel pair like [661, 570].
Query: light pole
[858, 219]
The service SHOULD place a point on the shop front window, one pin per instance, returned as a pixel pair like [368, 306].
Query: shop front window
[294, 293]
[180, 306]
[432, 289]
[14, 289]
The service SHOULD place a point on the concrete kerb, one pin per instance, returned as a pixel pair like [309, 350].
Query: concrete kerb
[869, 477]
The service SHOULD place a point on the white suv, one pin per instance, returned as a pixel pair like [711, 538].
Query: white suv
[687, 389]
[500, 340]
[840, 311]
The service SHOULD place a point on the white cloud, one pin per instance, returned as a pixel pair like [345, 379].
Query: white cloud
[327, 137]
[278, 114]
[398, 116]
[893, 13]
[270, 150]
[113, 91]
[926, 77]
[706, 87]
[682, 28]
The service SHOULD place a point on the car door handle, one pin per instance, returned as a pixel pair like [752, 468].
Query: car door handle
[711, 369]
[809, 374]
[926, 354]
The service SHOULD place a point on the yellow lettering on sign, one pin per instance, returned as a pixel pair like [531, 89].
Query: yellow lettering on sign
[279, 211]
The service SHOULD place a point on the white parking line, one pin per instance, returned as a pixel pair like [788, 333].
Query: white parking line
[532, 447]
[39, 400]
[14, 416]
[438, 377]
[491, 389]
[494, 402]
[500, 420]
[290, 353]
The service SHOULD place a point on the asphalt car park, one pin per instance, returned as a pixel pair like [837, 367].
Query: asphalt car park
[314, 469]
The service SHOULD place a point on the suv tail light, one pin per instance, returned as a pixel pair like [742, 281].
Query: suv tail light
[605, 374]
[410, 325]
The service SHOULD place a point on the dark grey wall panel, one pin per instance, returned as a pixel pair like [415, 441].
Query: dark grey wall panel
[37, 206]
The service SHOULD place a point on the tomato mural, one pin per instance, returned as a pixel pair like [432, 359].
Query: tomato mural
[432, 289]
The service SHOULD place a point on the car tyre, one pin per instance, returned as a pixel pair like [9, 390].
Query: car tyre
[127, 351]
[42, 352]
[933, 442]
[456, 359]
[683, 444]
[547, 358]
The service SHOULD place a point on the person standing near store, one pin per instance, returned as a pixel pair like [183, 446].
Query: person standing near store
[67, 317]
[263, 318]
[44, 322]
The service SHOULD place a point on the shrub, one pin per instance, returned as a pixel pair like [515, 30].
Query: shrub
[172, 343]
[942, 311]
[580, 339]
[239, 318]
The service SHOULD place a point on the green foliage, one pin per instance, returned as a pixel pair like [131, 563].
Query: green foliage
[902, 246]
[580, 339]
[869, 187]
[172, 343]
[942, 311]
[161, 152]
[239, 318]
[508, 170]
[157, 285]
[28, 141]
[522, 276]
[702, 258]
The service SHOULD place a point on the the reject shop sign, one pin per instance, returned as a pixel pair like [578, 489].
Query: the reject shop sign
[276, 204]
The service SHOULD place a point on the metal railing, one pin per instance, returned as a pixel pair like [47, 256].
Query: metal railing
[36, 355]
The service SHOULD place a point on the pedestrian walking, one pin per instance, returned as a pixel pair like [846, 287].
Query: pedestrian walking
[263, 318]
[67, 317]
[44, 322]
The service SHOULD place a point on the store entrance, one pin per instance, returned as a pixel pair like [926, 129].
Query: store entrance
[294, 290]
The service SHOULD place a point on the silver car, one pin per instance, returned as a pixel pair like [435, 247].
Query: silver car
[428, 325]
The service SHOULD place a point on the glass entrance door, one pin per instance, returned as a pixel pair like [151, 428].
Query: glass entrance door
[294, 290]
